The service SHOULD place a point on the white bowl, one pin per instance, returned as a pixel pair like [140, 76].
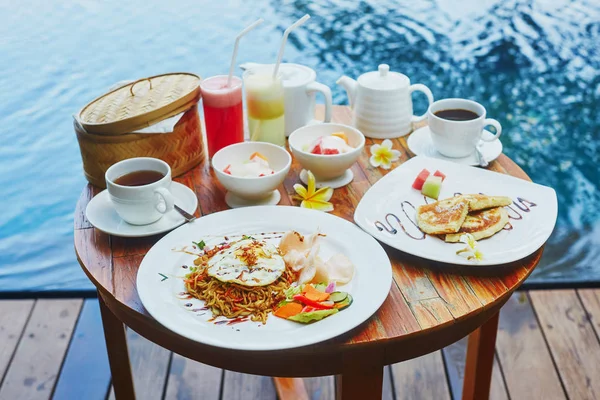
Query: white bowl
[330, 166]
[252, 188]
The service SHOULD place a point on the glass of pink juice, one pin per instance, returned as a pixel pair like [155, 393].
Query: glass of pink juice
[223, 112]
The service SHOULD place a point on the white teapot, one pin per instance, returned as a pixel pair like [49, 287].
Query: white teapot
[382, 102]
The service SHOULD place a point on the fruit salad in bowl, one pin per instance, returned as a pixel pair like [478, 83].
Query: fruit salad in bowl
[251, 172]
[328, 150]
[335, 143]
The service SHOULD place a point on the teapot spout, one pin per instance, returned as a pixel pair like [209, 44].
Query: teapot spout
[351, 87]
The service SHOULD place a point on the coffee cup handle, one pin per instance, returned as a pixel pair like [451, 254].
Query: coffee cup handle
[424, 89]
[495, 124]
[167, 198]
[319, 87]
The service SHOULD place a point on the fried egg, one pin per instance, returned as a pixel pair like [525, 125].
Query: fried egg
[247, 262]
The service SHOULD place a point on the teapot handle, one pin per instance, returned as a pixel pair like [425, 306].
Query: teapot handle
[424, 89]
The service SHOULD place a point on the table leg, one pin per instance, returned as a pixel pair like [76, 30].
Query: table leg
[480, 361]
[290, 389]
[360, 384]
[118, 356]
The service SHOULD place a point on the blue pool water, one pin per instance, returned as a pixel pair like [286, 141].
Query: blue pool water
[535, 65]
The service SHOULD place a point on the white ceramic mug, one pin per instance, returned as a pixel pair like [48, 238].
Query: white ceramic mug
[459, 138]
[140, 205]
[300, 87]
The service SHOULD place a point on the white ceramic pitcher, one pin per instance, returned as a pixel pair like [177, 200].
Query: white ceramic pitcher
[382, 102]
[300, 87]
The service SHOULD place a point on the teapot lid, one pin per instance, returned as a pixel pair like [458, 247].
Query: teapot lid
[383, 79]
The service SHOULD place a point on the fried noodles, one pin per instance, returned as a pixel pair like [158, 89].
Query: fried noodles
[233, 300]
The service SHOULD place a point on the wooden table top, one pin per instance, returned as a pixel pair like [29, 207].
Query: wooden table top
[430, 304]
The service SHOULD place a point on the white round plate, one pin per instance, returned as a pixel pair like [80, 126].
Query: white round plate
[334, 183]
[162, 291]
[102, 215]
[532, 224]
[234, 201]
[419, 142]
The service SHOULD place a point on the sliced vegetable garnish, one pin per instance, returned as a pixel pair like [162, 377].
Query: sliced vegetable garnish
[321, 287]
[338, 296]
[288, 310]
[306, 317]
[344, 304]
[313, 294]
[306, 301]
[330, 288]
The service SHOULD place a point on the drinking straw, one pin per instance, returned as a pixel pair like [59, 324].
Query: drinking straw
[237, 43]
[284, 40]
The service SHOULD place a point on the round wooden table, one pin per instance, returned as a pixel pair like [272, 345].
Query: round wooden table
[430, 305]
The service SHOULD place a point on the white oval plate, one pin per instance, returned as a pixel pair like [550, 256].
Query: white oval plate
[102, 215]
[528, 234]
[160, 278]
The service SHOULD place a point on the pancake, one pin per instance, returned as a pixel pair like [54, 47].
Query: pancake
[481, 224]
[482, 202]
[444, 216]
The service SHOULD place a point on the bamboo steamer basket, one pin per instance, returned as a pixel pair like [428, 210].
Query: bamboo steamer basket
[105, 127]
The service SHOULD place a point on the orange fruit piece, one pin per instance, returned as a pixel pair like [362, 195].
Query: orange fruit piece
[341, 135]
[257, 154]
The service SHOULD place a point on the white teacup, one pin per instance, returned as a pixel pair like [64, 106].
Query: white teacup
[140, 205]
[459, 138]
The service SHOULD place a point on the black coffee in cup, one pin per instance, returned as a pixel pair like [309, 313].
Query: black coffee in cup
[456, 114]
[139, 178]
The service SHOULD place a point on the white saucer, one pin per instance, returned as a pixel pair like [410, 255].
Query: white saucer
[419, 142]
[234, 201]
[102, 215]
[334, 183]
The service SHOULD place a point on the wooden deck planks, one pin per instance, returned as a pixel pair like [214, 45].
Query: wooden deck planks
[528, 356]
[571, 339]
[421, 378]
[85, 373]
[238, 386]
[523, 353]
[13, 317]
[189, 379]
[591, 301]
[37, 360]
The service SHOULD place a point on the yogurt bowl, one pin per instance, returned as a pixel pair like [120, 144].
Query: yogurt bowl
[331, 170]
[243, 191]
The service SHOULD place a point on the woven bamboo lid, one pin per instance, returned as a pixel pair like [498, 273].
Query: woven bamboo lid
[140, 104]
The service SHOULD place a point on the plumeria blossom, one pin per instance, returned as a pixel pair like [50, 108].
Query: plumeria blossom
[382, 155]
[316, 200]
[472, 251]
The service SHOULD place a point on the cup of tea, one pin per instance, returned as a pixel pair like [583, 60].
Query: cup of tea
[457, 126]
[139, 189]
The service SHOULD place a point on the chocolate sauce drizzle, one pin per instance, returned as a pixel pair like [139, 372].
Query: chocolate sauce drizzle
[523, 205]
[389, 227]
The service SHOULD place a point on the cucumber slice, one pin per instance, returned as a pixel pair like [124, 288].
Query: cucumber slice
[320, 287]
[336, 297]
[345, 303]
